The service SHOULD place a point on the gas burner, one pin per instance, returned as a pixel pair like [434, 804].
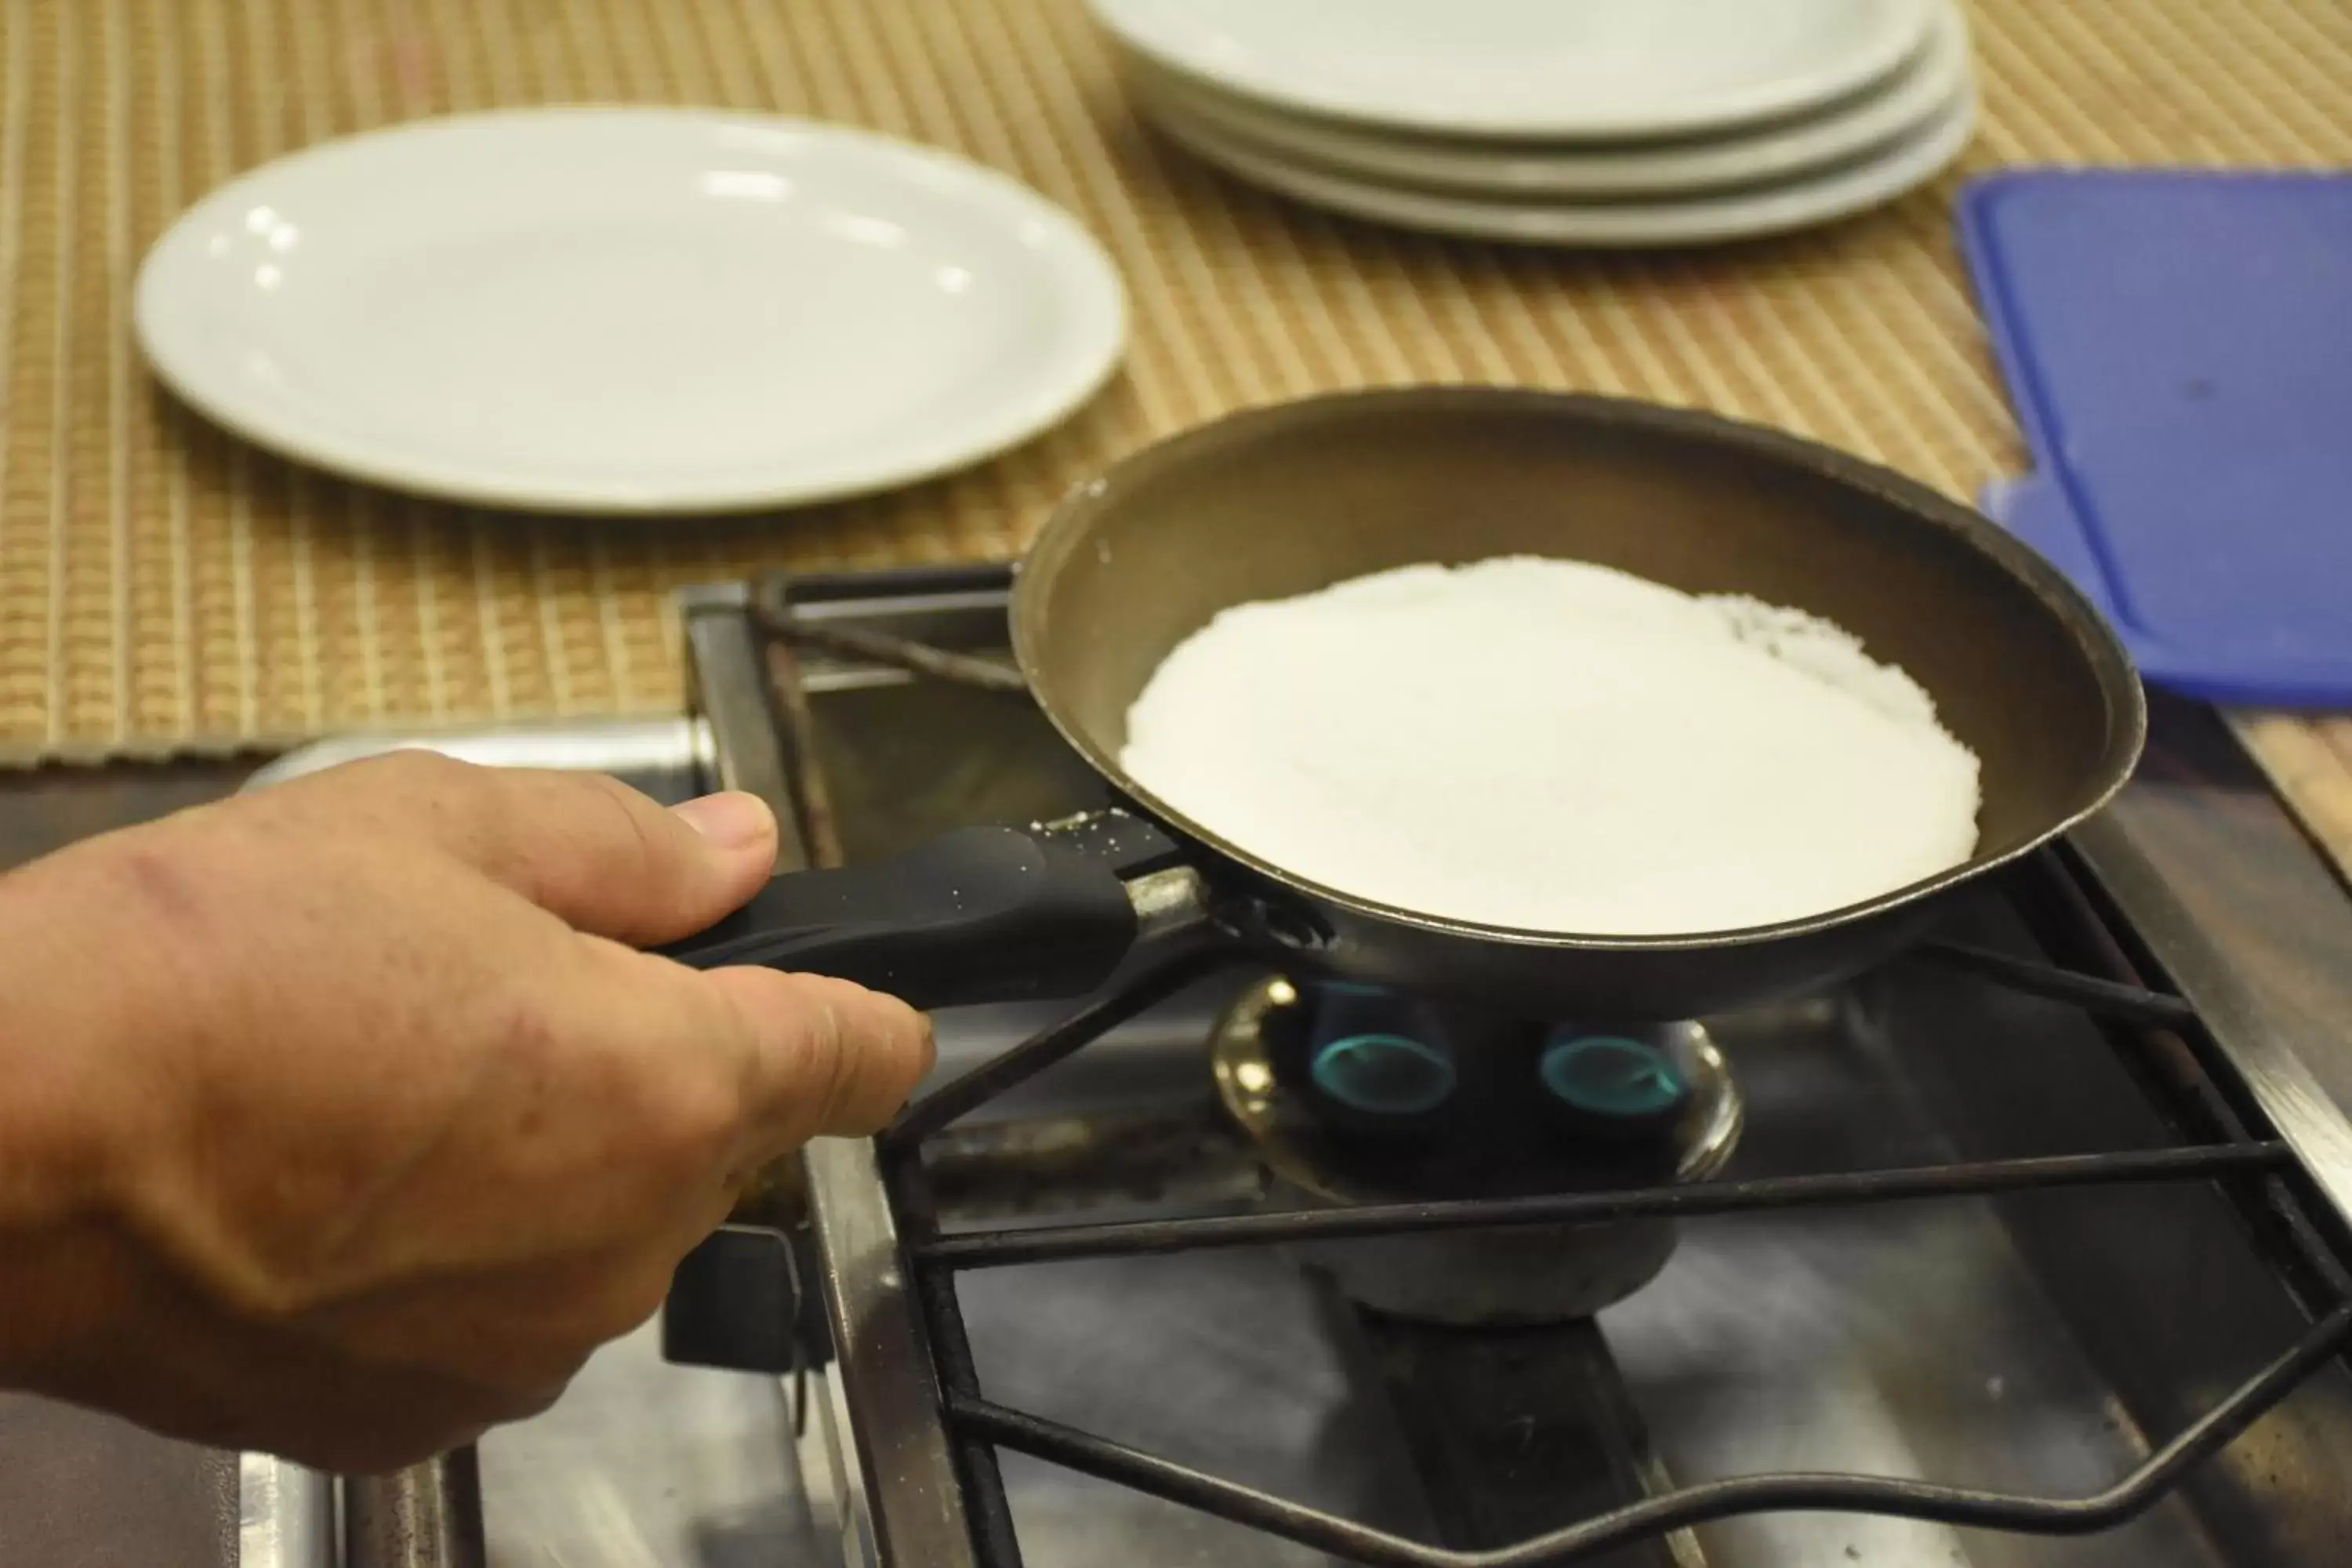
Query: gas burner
[1352, 1094]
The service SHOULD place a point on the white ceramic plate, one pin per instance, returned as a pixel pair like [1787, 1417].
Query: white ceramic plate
[1742, 214]
[1924, 87]
[1533, 68]
[630, 311]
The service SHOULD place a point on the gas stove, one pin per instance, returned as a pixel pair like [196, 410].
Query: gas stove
[2029, 1248]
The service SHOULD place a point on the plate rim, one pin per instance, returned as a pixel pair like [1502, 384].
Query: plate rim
[1790, 96]
[1924, 87]
[1931, 149]
[1105, 314]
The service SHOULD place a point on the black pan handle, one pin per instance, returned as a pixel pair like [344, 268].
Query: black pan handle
[983, 914]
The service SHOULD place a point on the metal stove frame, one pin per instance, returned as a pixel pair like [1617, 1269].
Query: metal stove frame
[2163, 885]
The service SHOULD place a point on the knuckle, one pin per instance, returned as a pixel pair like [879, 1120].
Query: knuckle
[159, 875]
[178, 891]
[378, 1444]
[527, 1026]
[534, 1376]
[696, 1119]
[259, 1292]
[363, 1453]
[867, 1052]
[416, 777]
[626, 1288]
[624, 822]
[283, 1298]
[814, 1067]
[408, 790]
[832, 1061]
[538, 1401]
[637, 1295]
[626, 803]
[420, 767]
[608, 838]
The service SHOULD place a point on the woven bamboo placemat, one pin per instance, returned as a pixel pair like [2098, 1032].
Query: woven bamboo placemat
[163, 589]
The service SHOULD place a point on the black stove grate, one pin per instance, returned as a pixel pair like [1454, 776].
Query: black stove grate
[1702, 1503]
[979, 1426]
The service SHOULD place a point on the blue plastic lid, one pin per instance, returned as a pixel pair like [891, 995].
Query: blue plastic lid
[2178, 349]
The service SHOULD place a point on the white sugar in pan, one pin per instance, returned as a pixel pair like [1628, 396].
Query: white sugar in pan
[1557, 747]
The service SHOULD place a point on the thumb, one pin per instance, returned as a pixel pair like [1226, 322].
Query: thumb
[609, 861]
[599, 856]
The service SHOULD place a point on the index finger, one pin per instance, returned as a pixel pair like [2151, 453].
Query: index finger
[834, 1060]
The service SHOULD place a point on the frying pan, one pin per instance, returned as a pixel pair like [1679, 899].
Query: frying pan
[1286, 499]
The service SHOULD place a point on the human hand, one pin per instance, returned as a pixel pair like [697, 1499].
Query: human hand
[343, 1120]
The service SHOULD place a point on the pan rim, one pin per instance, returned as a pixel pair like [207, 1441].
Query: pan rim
[2117, 678]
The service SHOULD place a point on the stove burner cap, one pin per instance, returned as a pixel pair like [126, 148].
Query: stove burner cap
[1384, 1075]
[1612, 1083]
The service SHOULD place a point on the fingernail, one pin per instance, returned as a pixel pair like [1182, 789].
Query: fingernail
[732, 821]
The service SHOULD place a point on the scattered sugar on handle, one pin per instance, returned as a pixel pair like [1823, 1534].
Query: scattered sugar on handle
[1557, 746]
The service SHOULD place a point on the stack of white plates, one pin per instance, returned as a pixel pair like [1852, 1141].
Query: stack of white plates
[1600, 122]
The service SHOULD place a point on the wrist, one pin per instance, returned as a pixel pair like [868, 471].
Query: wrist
[62, 1030]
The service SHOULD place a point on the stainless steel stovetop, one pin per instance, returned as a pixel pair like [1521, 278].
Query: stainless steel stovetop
[1875, 1285]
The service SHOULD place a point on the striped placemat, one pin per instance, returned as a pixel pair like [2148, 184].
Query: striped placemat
[163, 589]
